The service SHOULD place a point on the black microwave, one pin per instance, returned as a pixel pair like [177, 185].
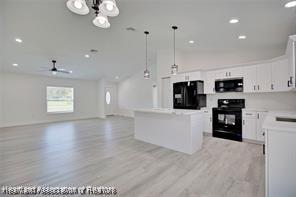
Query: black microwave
[229, 85]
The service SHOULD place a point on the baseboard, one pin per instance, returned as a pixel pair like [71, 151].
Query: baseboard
[5, 125]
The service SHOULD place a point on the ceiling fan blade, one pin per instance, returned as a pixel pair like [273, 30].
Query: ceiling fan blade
[63, 71]
[44, 70]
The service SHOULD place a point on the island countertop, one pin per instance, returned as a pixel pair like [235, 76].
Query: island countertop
[169, 111]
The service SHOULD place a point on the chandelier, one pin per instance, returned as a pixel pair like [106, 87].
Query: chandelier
[102, 9]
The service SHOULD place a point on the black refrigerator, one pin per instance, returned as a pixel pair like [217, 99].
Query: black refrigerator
[189, 95]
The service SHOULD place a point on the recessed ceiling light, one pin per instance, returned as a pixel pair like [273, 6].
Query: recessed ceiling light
[70, 71]
[116, 77]
[242, 37]
[15, 65]
[86, 55]
[18, 40]
[290, 4]
[233, 20]
[191, 42]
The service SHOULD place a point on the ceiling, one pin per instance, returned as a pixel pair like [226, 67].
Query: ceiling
[50, 31]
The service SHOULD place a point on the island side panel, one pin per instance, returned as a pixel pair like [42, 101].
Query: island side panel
[167, 130]
[197, 125]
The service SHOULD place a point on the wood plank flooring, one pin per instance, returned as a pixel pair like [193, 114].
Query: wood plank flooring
[103, 152]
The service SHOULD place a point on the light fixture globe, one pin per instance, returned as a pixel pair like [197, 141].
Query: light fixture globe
[146, 74]
[290, 4]
[109, 8]
[174, 69]
[101, 21]
[78, 6]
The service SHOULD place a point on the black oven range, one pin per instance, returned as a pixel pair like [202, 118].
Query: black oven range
[227, 119]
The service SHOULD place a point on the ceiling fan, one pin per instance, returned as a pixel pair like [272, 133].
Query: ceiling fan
[54, 70]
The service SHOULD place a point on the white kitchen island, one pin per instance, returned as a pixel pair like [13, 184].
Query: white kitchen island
[179, 130]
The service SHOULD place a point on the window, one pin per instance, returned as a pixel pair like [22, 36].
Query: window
[60, 99]
[108, 98]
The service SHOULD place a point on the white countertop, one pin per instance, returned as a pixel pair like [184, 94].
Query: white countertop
[169, 111]
[255, 109]
[272, 124]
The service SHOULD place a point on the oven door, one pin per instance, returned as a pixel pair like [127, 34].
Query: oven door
[227, 123]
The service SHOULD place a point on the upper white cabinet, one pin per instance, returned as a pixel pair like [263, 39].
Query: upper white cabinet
[264, 78]
[250, 78]
[280, 76]
[229, 73]
[291, 54]
[209, 85]
[192, 76]
[257, 78]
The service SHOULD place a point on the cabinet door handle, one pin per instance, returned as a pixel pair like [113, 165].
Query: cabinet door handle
[230, 74]
[291, 81]
[272, 87]
[289, 84]
[226, 74]
[258, 117]
[249, 114]
[258, 87]
[254, 87]
[243, 122]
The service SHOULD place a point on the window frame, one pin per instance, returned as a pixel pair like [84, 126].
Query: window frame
[60, 112]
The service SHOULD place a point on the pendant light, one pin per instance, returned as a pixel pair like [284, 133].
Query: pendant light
[102, 8]
[146, 71]
[109, 8]
[78, 6]
[174, 68]
[101, 20]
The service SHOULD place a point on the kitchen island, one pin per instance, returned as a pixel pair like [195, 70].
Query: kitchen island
[179, 130]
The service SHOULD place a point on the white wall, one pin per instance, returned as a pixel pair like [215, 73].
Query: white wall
[101, 98]
[1, 96]
[269, 101]
[24, 99]
[134, 92]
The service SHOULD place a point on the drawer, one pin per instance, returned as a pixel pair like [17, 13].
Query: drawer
[249, 114]
[207, 111]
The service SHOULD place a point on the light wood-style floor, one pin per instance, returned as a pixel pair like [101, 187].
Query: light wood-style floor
[103, 152]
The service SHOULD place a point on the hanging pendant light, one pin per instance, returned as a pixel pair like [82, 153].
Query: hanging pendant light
[146, 71]
[101, 21]
[174, 68]
[78, 6]
[102, 8]
[109, 8]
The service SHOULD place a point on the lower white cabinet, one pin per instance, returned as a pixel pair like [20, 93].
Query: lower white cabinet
[252, 125]
[208, 123]
[249, 125]
[280, 158]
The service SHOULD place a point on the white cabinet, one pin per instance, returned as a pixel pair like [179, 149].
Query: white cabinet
[229, 73]
[260, 131]
[291, 54]
[192, 76]
[280, 158]
[250, 78]
[209, 87]
[264, 78]
[252, 125]
[257, 78]
[249, 126]
[208, 124]
[280, 76]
